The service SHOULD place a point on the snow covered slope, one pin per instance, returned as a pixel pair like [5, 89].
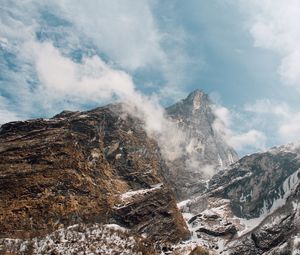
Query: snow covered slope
[252, 208]
[80, 239]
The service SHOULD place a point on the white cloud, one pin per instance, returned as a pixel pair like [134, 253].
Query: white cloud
[275, 25]
[267, 106]
[5, 114]
[290, 130]
[124, 30]
[125, 33]
[223, 115]
[241, 141]
[251, 139]
[279, 116]
[130, 35]
[90, 81]
[95, 81]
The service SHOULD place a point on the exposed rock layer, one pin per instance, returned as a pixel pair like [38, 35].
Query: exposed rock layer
[76, 168]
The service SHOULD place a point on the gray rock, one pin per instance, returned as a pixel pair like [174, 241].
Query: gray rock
[205, 150]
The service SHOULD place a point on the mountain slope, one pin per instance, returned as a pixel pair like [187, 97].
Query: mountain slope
[84, 167]
[205, 150]
[252, 207]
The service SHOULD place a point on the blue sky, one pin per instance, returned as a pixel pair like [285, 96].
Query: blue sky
[57, 55]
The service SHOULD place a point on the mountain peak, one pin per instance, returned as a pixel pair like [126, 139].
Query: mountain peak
[195, 117]
[196, 102]
[197, 92]
[197, 98]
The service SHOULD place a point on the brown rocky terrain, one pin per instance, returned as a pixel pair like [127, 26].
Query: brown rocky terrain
[97, 166]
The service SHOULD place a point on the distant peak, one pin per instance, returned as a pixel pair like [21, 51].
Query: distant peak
[196, 95]
[196, 92]
[197, 98]
[192, 103]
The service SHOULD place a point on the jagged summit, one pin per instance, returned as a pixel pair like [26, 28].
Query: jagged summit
[205, 150]
[195, 102]
[197, 98]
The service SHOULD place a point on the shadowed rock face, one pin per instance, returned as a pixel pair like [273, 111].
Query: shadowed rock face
[206, 151]
[256, 201]
[277, 234]
[76, 168]
[266, 185]
[256, 182]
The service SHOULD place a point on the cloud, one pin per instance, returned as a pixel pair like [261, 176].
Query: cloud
[5, 114]
[115, 40]
[267, 106]
[132, 37]
[121, 34]
[46, 79]
[241, 141]
[278, 117]
[92, 80]
[290, 130]
[253, 139]
[274, 25]
[124, 30]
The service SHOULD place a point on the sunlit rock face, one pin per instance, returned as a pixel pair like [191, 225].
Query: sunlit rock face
[205, 151]
[88, 167]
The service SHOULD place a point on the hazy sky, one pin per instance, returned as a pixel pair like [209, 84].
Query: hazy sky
[64, 54]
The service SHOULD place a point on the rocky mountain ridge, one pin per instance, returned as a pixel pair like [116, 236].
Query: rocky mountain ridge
[84, 167]
[94, 182]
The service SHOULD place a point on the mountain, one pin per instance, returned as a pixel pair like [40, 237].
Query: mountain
[205, 151]
[95, 182]
[94, 167]
[252, 207]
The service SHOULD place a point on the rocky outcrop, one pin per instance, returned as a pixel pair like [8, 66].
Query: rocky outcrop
[260, 182]
[97, 166]
[277, 234]
[253, 207]
[205, 151]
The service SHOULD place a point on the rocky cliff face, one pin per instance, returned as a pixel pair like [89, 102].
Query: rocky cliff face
[253, 207]
[256, 182]
[277, 234]
[273, 202]
[97, 166]
[204, 149]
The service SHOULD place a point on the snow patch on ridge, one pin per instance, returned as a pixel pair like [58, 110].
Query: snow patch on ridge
[288, 187]
[130, 194]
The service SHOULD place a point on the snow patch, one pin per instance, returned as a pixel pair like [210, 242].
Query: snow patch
[130, 195]
[288, 187]
[296, 245]
[78, 239]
